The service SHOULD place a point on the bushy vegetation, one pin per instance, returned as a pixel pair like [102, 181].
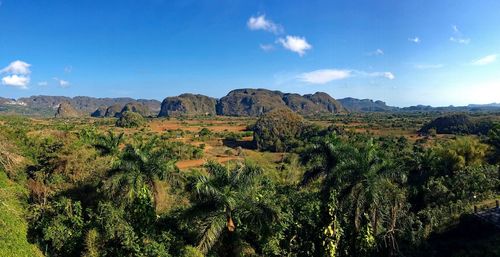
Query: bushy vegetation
[277, 130]
[458, 124]
[78, 191]
[130, 120]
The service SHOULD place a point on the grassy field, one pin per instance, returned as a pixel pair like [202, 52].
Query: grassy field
[13, 224]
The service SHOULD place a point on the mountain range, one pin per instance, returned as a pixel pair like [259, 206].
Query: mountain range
[238, 102]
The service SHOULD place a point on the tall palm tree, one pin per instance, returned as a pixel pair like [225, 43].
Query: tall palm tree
[220, 195]
[139, 167]
[359, 176]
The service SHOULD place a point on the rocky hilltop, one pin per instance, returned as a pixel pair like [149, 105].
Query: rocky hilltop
[365, 105]
[188, 105]
[85, 104]
[249, 102]
[65, 110]
[254, 102]
[239, 102]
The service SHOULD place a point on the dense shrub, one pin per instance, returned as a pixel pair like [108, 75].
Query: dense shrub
[457, 124]
[278, 130]
[130, 120]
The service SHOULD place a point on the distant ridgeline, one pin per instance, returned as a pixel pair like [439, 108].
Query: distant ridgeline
[239, 102]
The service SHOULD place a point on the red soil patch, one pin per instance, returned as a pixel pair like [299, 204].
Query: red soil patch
[186, 164]
[197, 125]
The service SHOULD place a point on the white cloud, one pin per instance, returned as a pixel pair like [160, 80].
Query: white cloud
[43, 83]
[266, 47]
[17, 74]
[377, 52]
[62, 83]
[17, 67]
[428, 66]
[464, 41]
[295, 44]
[16, 81]
[485, 60]
[261, 23]
[458, 36]
[324, 76]
[386, 74]
[415, 40]
[327, 75]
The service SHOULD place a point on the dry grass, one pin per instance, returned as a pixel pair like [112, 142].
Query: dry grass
[9, 159]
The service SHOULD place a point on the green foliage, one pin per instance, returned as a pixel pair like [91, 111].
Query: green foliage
[139, 166]
[494, 141]
[108, 144]
[86, 190]
[224, 198]
[277, 130]
[61, 224]
[457, 154]
[458, 124]
[130, 120]
[204, 133]
[333, 231]
[13, 225]
[189, 251]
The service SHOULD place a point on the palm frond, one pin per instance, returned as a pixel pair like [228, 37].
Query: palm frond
[212, 229]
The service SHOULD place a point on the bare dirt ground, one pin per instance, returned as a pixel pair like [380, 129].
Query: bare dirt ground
[214, 147]
[187, 164]
[230, 125]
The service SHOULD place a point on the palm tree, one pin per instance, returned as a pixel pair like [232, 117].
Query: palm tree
[139, 167]
[220, 195]
[357, 176]
[108, 144]
[322, 157]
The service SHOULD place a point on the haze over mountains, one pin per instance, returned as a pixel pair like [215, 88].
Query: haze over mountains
[238, 102]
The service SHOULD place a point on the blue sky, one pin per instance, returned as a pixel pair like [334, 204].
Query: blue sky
[402, 52]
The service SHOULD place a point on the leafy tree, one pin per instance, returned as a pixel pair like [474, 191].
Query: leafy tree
[457, 154]
[59, 227]
[494, 141]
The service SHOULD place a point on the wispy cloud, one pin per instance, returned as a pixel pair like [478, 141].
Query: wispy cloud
[295, 44]
[266, 47]
[324, 76]
[415, 40]
[485, 60]
[43, 83]
[428, 66]
[16, 74]
[458, 37]
[261, 23]
[62, 83]
[377, 52]
[385, 74]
